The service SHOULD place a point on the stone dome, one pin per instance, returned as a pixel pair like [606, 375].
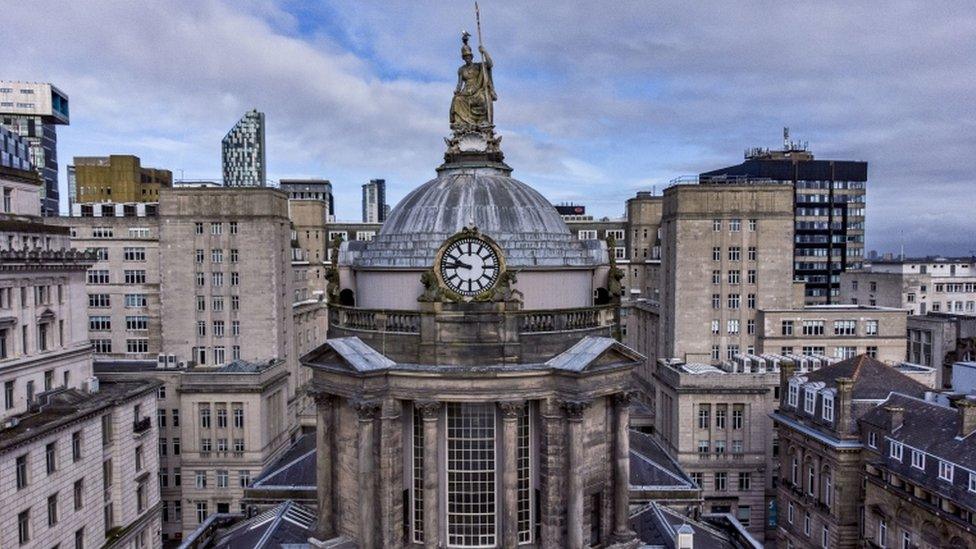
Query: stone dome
[526, 226]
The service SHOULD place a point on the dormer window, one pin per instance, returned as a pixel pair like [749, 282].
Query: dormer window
[828, 407]
[946, 470]
[809, 400]
[793, 395]
[873, 439]
[918, 460]
[895, 450]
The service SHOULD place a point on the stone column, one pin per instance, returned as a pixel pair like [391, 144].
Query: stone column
[574, 521]
[510, 414]
[621, 457]
[324, 408]
[430, 411]
[367, 474]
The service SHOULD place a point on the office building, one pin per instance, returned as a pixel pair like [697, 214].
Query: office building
[941, 340]
[374, 201]
[243, 152]
[116, 178]
[310, 189]
[921, 285]
[14, 150]
[829, 210]
[33, 111]
[77, 455]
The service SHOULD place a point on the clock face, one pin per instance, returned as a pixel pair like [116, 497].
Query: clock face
[469, 266]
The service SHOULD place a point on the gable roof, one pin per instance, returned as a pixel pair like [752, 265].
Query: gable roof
[348, 353]
[873, 380]
[594, 352]
[652, 467]
[283, 524]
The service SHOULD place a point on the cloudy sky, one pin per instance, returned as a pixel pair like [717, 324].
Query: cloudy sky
[596, 100]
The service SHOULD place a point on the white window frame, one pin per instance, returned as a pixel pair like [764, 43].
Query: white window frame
[946, 470]
[828, 407]
[918, 459]
[896, 450]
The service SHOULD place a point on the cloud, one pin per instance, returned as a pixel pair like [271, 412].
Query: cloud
[594, 102]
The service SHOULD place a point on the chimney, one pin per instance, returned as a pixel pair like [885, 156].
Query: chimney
[896, 416]
[967, 415]
[684, 537]
[843, 405]
[786, 369]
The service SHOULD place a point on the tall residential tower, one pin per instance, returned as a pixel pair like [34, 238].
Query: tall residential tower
[374, 201]
[243, 153]
[33, 110]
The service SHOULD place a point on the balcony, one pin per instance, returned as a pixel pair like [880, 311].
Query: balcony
[140, 426]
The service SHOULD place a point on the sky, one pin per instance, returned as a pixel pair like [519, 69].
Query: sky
[596, 100]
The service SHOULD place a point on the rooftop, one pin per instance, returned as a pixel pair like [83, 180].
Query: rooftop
[657, 527]
[873, 380]
[61, 407]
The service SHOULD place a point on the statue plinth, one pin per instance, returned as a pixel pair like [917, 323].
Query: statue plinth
[473, 144]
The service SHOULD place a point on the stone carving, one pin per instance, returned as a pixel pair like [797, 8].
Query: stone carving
[475, 91]
[625, 398]
[323, 400]
[332, 273]
[367, 410]
[574, 408]
[429, 409]
[503, 290]
[432, 288]
[616, 274]
[511, 409]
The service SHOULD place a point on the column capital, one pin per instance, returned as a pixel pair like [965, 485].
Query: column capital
[574, 408]
[323, 400]
[429, 409]
[367, 409]
[511, 409]
[624, 398]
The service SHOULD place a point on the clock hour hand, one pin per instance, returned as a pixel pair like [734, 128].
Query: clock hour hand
[457, 264]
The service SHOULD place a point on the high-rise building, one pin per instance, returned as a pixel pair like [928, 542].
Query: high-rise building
[828, 214]
[14, 150]
[243, 153]
[78, 455]
[726, 253]
[374, 201]
[310, 189]
[34, 110]
[115, 178]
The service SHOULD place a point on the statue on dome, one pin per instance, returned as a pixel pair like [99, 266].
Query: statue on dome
[473, 96]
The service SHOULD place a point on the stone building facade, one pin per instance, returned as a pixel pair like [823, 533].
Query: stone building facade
[939, 340]
[921, 285]
[725, 250]
[77, 456]
[823, 451]
[837, 331]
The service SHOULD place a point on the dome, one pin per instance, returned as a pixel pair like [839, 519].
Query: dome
[524, 224]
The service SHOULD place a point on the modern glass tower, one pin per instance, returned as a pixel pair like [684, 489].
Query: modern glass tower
[33, 110]
[243, 153]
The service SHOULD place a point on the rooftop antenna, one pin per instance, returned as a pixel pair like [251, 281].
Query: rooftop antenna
[786, 138]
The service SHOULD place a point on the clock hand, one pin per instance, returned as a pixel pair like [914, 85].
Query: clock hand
[460, 264]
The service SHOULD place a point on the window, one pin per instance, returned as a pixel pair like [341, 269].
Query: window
[737, 418]
[828, 407]
[946, 470]
[235, 279]
[79, 494]
[895, 450]
[809, 400]
[735, 253]
[23, 527]
[176, 446]
[716, 253]
[872, 439]
[135, 276]
[745, 482]
[51, 457]
[238, 444]
[238, 417]
[882, 533]
[734, 276]
[138, 454]
[201, 303]
[733, 301]
[587, 234]
[733, 326]
[825, 536]
[703, 413]
[133, 254]
[811, 479]
[201, 511]
[972, 482]
[199, 256]
[98, 276]
[918, 460]
[222, 477]
[218, 303]
[716, 225]
[101, 232]
[697, 478]
[217, 255]
[716, 301]
[703, 446]
[75, 446]
[235, 302]
[217, 279]
[136, 346]
[872, 351]
[201, 479]
[218, 328]
[139, 232]
[752, 224]
[751, 276]
[235, 327]
[221, 417]
[21, 472]
[806, 523]
[813, 327]
[790, 512]
[720, 413]
[233, 227]
[99, 301]
[137, 323]
[795, 472]
[205, 416]
[716, 277]
[52, 510]
[715, 352]
[752, 253]
[751, 301]
[719, 446]
[751, 327]
[871, 327]
[201, 279]
[735, 225]
[845, 327]
[201, 328]
[244, 478]
[721, 481]
[216, 228]
[828, 488]
[233, 255]
[787, 327]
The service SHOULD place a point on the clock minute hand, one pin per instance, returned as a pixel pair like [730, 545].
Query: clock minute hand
[460, 264]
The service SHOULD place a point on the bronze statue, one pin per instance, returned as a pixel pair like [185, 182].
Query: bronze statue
[472, 104]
